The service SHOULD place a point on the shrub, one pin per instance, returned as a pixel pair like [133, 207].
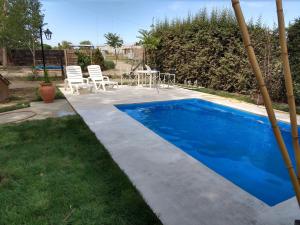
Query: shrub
[31, 77]
[98, 58]
[294, 54]
[108, 65]
[83, 60]
[209, 49]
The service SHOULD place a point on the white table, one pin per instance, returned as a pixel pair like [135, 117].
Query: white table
[145, 72]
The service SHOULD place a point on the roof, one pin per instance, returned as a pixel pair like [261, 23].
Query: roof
[85, 46]
[7, 82]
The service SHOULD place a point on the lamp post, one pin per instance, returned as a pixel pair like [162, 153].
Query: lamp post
[48, 35]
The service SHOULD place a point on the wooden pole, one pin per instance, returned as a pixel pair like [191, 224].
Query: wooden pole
[66, 57]
[288, 85]
[4, 49]
[266, 97]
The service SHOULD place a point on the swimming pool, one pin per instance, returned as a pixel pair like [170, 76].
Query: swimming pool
[238, 145]
[49, 67]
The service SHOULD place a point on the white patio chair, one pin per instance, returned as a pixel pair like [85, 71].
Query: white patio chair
[97, 79]
[75, 79]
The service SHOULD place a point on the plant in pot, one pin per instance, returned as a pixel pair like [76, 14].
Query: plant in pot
[47, 89]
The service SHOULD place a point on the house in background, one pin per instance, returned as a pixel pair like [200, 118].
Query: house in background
[130, 51]
[4, 83]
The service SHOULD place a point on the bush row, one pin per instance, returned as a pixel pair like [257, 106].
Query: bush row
[208, 50]
[84, 60]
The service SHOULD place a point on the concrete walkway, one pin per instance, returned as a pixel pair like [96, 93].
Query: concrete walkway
[37, 111]
[178, 188]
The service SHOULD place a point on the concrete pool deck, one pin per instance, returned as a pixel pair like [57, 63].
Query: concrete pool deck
[178, 188]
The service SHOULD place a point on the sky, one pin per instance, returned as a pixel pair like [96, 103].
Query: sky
[78, 20]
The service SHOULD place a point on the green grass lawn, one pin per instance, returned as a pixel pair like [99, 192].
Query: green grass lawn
[55, 171]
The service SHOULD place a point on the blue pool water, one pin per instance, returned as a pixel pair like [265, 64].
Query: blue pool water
[238, 145]
[50, 67]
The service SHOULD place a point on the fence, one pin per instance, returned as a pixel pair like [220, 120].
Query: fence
[71, 57]
[23, 57]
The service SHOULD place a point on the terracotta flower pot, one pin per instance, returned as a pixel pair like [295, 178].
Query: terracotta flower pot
[47, 92]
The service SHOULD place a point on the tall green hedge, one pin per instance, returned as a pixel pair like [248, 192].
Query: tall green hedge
[294, 54]
[209, 49]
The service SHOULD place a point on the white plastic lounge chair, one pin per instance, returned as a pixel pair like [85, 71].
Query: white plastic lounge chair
[97, 79]
[75, 79]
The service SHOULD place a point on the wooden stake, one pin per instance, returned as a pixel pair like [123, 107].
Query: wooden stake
[266, 97]
[4, 49]
[288, 85]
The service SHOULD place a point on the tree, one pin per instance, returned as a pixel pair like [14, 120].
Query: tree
[148, 41]
[207, 49]
[83, 60]
[65, 45]
[294, 54]
[47, 47]
[34, 22]
[3, 20]
[86, 45]
[114, 41]
[21, 26]
[98, 58]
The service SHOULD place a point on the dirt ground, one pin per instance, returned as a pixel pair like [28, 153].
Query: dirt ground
[21, 91]
[24, 94]
[23, 72]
